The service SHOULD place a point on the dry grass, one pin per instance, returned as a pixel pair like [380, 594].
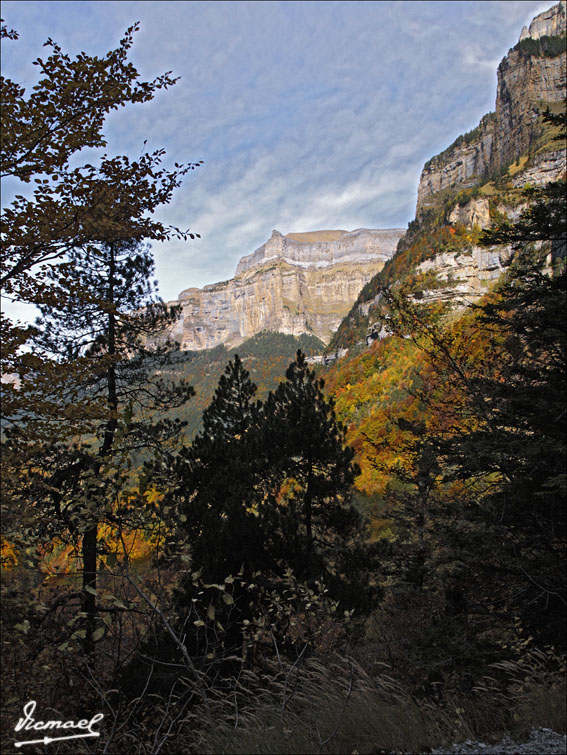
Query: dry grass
[535, 692]
[328, 705]
[340, 707]
[518, 166]
[332, 708]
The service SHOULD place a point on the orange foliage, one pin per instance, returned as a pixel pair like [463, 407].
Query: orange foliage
[8, 555]
[118, 543]
[397, 379]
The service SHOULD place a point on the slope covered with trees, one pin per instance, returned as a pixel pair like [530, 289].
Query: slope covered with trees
[458, 420]
[266, 356]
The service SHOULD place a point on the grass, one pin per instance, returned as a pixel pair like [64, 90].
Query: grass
[518, 166]
[328, 708]
[328, 705]
[340, 707]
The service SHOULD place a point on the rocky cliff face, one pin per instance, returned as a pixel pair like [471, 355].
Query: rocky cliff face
[299, 283]
[507, 150]
[548, 23]
[526, 82]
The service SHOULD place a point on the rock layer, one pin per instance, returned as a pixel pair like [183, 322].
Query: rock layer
[322, 249]
[466, 276]
[299, 283]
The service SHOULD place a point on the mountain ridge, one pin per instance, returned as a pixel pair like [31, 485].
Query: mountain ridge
[309, 282]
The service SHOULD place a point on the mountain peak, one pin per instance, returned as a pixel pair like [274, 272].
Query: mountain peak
[547, 24]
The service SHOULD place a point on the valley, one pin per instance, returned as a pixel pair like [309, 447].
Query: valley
[318, 507]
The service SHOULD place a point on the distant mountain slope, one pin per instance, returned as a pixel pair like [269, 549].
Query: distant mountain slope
[266, 356]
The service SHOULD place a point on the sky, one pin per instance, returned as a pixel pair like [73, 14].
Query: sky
[307, 115]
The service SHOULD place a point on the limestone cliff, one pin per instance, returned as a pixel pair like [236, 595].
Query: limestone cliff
[530, 77]
[299, 283]
[548, 23]
[467, 274]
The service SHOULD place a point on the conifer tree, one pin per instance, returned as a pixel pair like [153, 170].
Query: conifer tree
[503, 542]
[525, 441]
[109, 394]
[219, 489]
[263, 496]
[305, 444]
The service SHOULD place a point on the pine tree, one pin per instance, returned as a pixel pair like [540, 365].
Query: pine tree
[525, 442]
[503, 542]
[219, 485]
[493, 397]
[263, 500]
[321, 532]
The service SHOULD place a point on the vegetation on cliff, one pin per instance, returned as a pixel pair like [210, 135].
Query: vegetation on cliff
[266, 356]
[462, 140]
[543, 47]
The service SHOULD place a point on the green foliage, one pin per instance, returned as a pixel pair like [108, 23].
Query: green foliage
[218, 478]
[306, 446]
[457, 426]
[523, 439]
[90, 365]
[262, 500]
[543, 220]
[269, 344]
[544, 47]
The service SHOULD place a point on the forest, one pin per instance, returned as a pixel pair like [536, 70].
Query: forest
[366, 558]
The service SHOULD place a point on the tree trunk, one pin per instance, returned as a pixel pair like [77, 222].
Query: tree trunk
[89, 581]
[307, 506]
[89, 605]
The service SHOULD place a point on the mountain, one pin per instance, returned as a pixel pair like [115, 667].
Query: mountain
[533, 73]
[293, 284]
[478, 179]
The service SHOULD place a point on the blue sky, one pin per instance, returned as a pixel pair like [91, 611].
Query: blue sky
[308, 115]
